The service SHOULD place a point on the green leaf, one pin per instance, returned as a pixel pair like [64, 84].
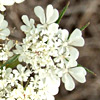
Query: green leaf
[62, 13]
[11, 62]
[85, 26]
[88, 70]
[1, 62]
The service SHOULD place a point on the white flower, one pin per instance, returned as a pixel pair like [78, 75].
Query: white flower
[18, 93]
[8, 3]
[13, 79]
[6, 72]
[48, 28]
[29, 92]
[22, 74]
[71, 69]
[5, 3]
[24, 53]
[3, 84]
[5, 51]
[4, 77]
[29, 25]
[51, 80]
[50, 17]
[4, 31]
[61, 58]
[47, 92]
[68, 42]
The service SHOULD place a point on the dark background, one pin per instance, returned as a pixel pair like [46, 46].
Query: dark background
[78, 14]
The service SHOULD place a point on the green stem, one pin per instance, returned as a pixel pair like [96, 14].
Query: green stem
[85, 26]
[62, 13]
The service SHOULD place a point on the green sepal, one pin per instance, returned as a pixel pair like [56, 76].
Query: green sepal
[62, 13]
[85, 26]
[12, 62]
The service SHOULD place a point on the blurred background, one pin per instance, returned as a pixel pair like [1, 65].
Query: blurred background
[78, 14]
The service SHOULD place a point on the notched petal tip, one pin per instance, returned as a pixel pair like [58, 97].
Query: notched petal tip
[76, 38]
[26, 20]
[39, 12]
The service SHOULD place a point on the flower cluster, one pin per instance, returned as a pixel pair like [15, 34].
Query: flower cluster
[8, 3]
[47, 55]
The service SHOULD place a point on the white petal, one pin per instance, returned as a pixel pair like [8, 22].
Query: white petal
[45, 38]
[8, 71]
[39, 12]
[49, 12]
[78, 42]
[53, 28]
[68, 81]
[56, 59]
[2, 37]
[10, 44]
[2, 8]
[7, 2]
[61, 50]
[84, 71]
[78, 73]
[20, 68]
[26, 20]
[50, 97]
[20, 58]
[74, 53]
[19, 1]
[61, 65]
[76, 33]
[53, 90]
[59, 72]
[1, 18]
[64, 34]
[25, 28]
[76, 39]
[71, 63]
[4, 24]
[32, 22]
[5, 32]
[54, 17]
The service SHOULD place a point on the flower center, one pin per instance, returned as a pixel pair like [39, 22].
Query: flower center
[65, 44]
[45, 25]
